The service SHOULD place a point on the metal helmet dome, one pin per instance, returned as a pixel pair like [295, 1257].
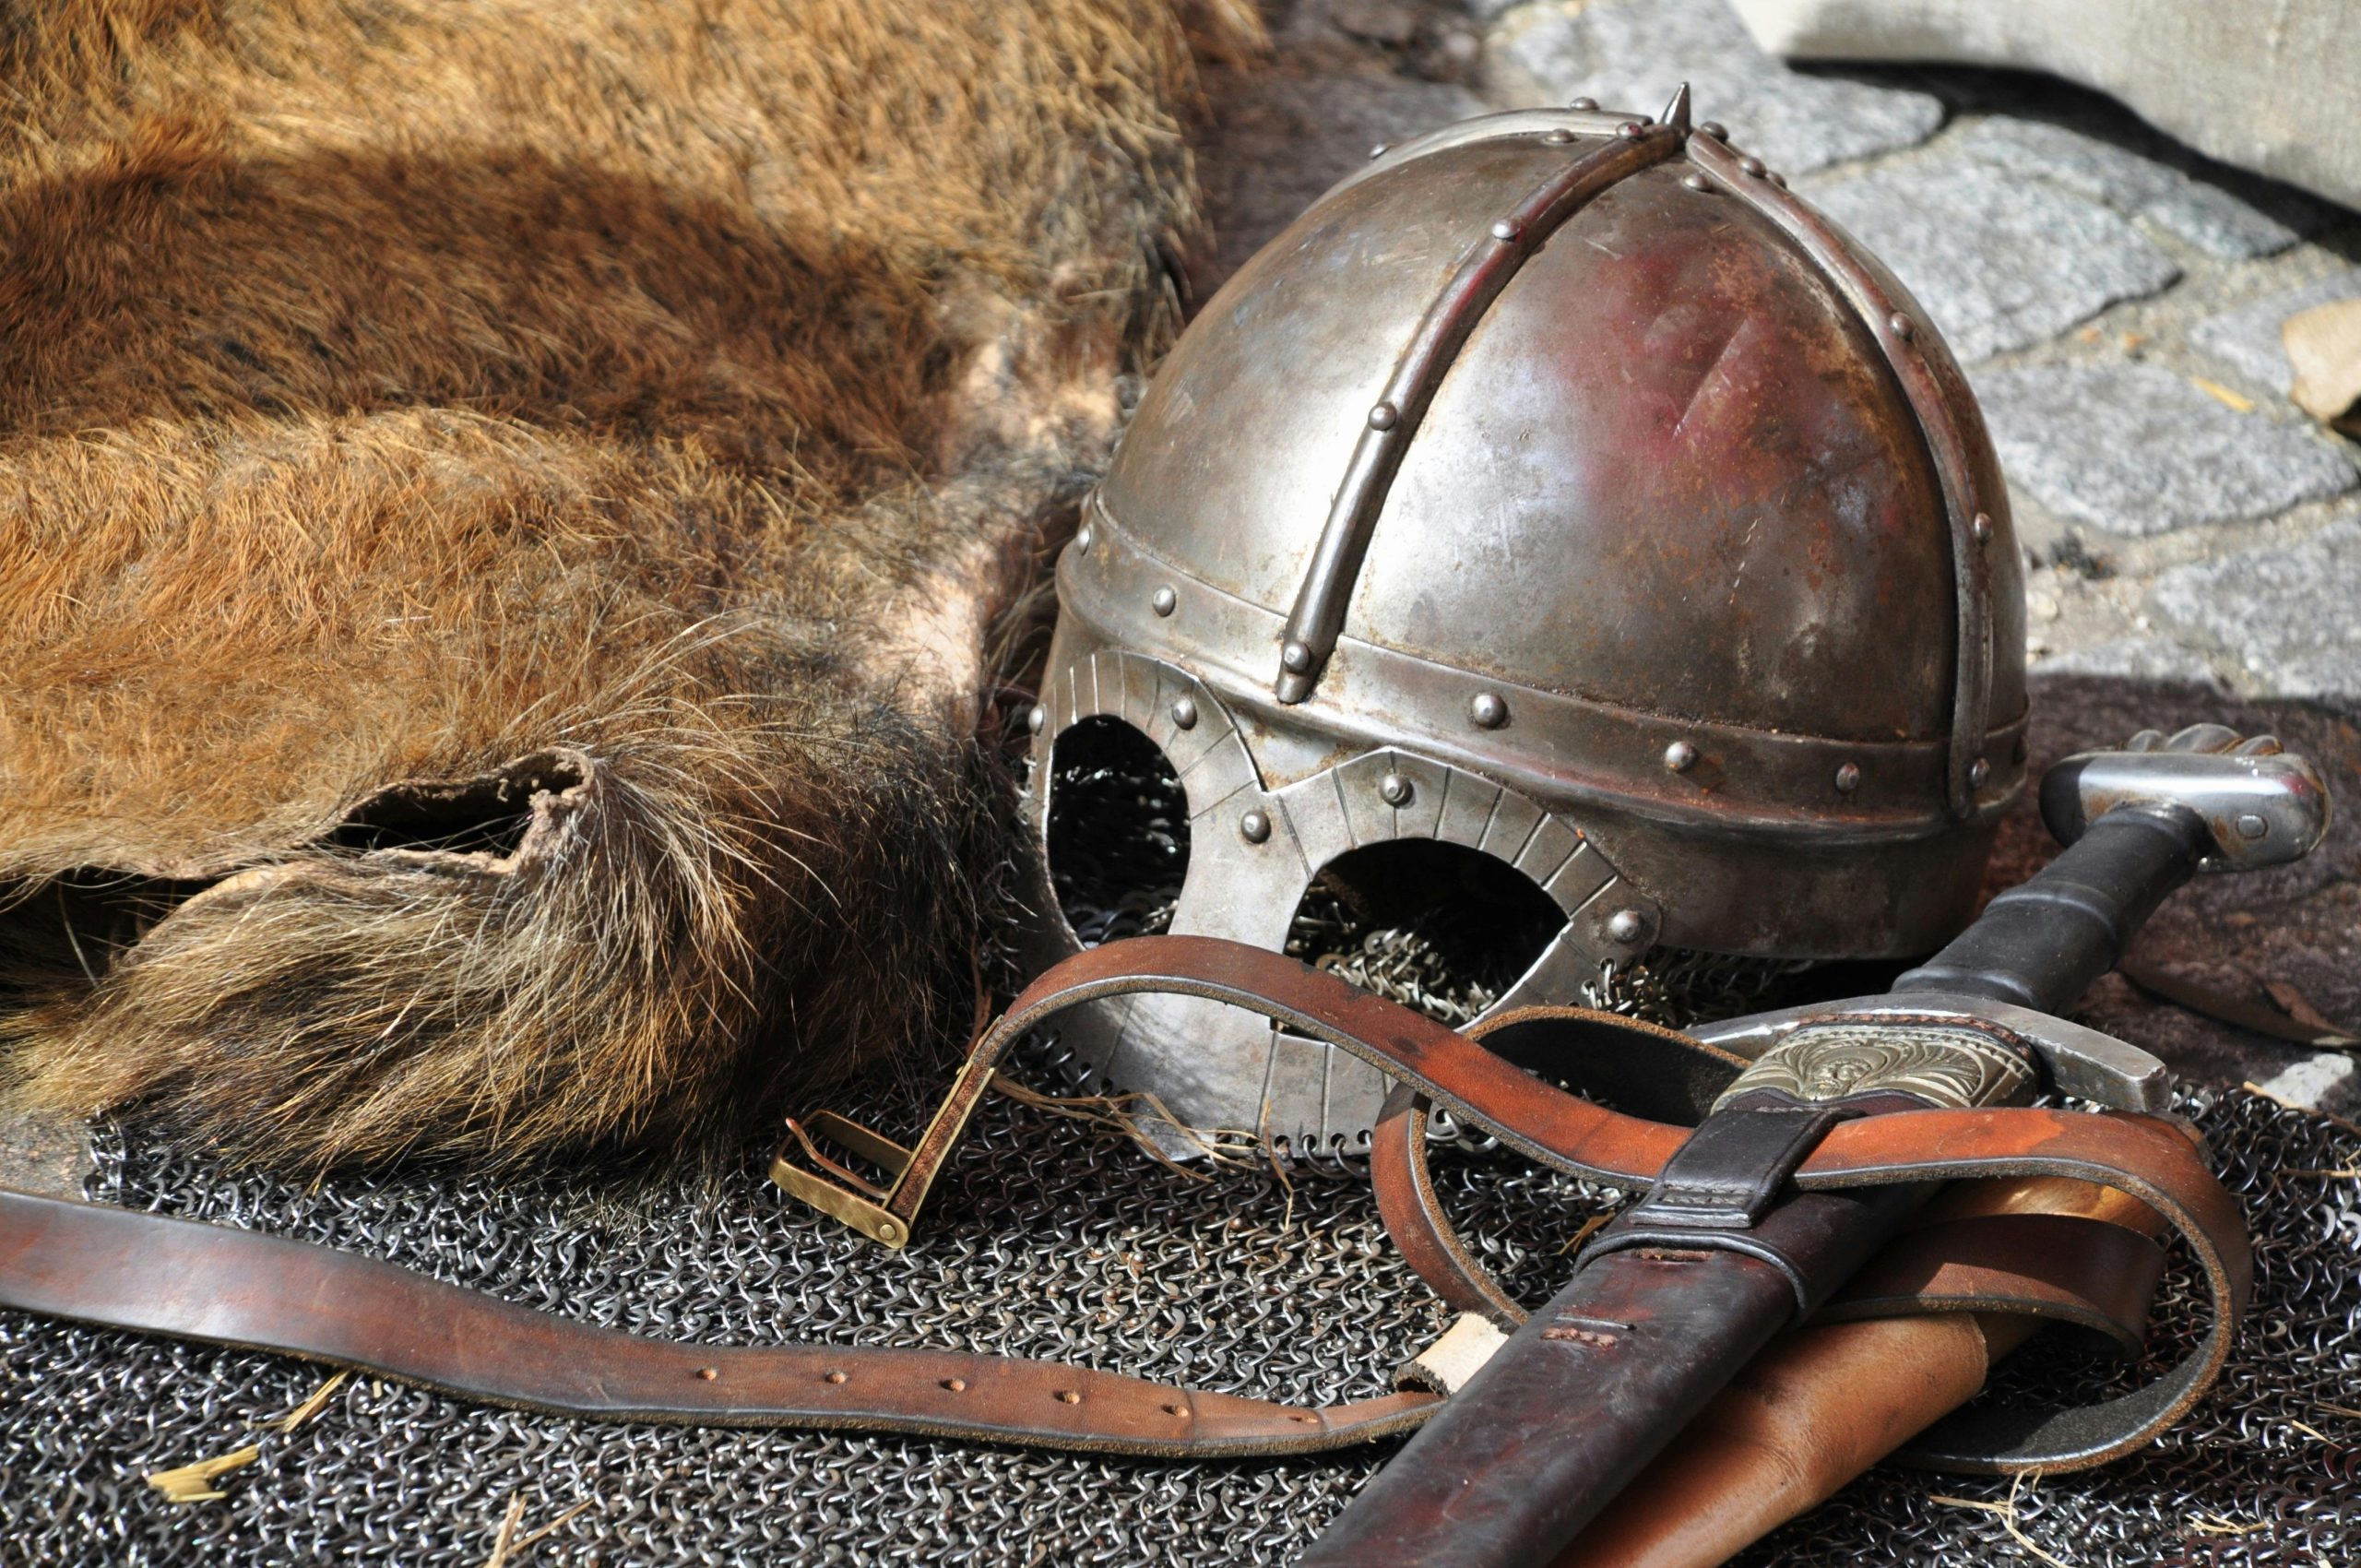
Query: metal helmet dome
[1563, 487]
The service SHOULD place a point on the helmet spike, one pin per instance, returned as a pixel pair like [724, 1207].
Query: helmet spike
[1675, 113]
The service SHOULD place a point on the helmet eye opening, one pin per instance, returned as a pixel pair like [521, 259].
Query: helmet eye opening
[1117, 831]
[1439, 926]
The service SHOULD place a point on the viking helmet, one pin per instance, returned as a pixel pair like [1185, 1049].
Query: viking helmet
[1561, 509]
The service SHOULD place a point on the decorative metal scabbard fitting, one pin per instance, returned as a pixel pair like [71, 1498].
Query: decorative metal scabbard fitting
[1950, 1067]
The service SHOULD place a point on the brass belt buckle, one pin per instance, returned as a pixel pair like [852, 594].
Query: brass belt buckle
[883, 1214]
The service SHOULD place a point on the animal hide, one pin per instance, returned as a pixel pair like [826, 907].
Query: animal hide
[504, 511]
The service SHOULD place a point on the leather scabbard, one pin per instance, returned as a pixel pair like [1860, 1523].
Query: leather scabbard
[205, 1282]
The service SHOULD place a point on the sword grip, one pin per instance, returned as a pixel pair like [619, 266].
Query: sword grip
[2042, 942]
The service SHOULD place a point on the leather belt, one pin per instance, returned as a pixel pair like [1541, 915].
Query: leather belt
[198, 1281]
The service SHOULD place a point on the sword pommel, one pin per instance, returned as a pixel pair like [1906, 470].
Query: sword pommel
[2260, 806]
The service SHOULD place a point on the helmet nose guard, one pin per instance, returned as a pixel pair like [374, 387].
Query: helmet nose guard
[1563, 488]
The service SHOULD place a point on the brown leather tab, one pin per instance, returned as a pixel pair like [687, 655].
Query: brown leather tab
[2086, 1271]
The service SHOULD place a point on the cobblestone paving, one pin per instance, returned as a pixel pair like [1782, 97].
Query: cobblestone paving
[2116, 299]
[2193, 541]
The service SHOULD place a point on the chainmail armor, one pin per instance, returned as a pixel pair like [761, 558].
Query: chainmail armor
[1051, 1238]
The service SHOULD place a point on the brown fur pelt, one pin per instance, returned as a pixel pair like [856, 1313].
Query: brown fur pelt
[503, 513]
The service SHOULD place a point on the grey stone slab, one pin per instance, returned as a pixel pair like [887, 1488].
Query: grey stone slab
[2291, 614]
[2246, 338]
[1999, 262]
[1632, 54]
[2136, 449]
[2132, 659]
[2312, 1082]
[2205, 214]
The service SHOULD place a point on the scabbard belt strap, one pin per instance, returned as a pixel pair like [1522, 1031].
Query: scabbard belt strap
[191, 1280]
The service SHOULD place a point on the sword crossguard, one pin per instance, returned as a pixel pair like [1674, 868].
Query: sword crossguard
[2261, 805]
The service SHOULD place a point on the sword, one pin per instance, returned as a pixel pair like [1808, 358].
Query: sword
[1671, 1300]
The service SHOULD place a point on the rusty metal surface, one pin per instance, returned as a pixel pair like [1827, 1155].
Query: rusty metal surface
[1491, 260]
[1560, 458]
[1989, 629]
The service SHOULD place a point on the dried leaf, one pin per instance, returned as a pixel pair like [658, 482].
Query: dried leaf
[2323, 344]
[193, 1483]
[2213, 1003]
[2297, 1006]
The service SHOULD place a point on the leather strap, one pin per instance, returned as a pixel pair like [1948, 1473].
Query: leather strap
[2087, 1272]
[198, 1281]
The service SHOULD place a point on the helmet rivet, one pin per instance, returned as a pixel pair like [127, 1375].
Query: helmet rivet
[1697, 181]
[1038, 720]
[1777, 179]
[1626, 926]
[1716, 130]
[1184, 712]
[1082, 540]
[1395, 789]
[1981, 526]
[2252, 827]
[1584, 104]
[1558, 137]
[1378, 152]
[1848, 777]
[1628, 130]
[1977, 772]
[1505, 229]
[1679, 757]
[1162, 600]
[1383, 416]
[1254, 827]
[1753, 166]
[1903, 326]
[1295, 658]
[1487, 710]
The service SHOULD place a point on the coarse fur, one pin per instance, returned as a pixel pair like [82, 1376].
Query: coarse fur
[502, 511]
